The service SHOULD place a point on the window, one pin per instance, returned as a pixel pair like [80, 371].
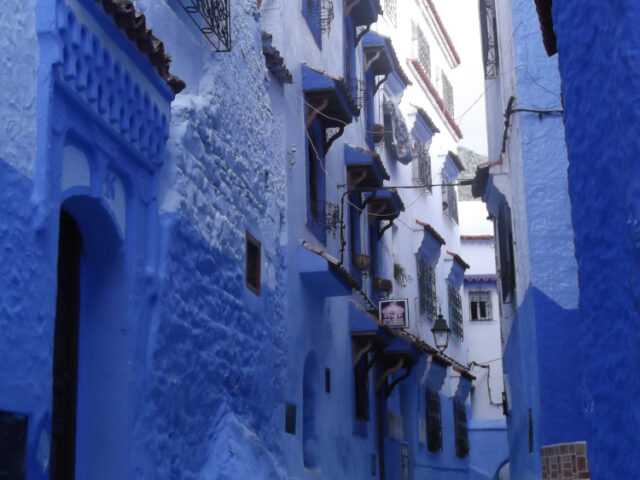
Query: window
[213, 19]
[290, 419]
[422, 166]
[449, 199]
[319, 15]
[455, 313]
[316, 212]
[489, 27]
[327, 380]
[361, 374]
[391, 12]
[350, 74]
[434, 421]
[447, 94]
[253, 261]
[460, 423]
[480, 306]
[424, 54]
[427, 289]
[507, 262]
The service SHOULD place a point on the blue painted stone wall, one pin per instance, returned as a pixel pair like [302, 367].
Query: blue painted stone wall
[26, 273]
[201, 353]
[598, 45]
[19, 63]
[213, 405]
[540, 324]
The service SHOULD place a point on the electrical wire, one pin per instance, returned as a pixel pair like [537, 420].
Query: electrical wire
[488, 368]
[510, 111]
[459, 119]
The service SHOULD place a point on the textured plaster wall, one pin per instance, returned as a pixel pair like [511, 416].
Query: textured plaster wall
[600, 83]
[18, 63]
[541, 319]
[215, 354]
[27, 273]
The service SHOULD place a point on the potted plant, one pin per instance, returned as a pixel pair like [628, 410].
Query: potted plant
[400, 275]
[361, 261]
[378, 133]
[383, 284]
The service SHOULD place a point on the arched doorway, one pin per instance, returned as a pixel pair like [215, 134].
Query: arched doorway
[90, 371]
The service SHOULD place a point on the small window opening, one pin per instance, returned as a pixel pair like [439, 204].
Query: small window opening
[327, 380]
[290, 419]
[480, 306]
[253, 262]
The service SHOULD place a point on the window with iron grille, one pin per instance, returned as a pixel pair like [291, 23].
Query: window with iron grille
[427, 289]
[505, 246]
[447, 93]
[449, 199]
[361, 374]
[319, 15]
[455, 313]
[253, 260]
[213, 19]
[480, 305]
[489, 27]
[434, 421]
[422, 166]
[391, 12]
[461, 431]
[424, 54]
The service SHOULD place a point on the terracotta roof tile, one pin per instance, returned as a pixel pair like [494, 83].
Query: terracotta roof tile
[274, 60]
[134, 25]
[432, 231]
[424, 77]
[458, 258]
[443, 30]
[476, 237]
[480, 278]
[427, 119]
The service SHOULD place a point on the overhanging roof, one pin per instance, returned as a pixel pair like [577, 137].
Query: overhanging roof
[387, 61]
[365, 168]
[319, 86]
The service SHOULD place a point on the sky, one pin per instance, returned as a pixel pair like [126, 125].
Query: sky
[461, 19]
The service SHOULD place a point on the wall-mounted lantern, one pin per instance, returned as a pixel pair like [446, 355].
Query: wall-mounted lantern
[441, 332]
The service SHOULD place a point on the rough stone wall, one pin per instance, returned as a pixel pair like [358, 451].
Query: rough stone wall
[470, 160]
[599, 55]
[27, 272]
[18, 63]
[216, 351]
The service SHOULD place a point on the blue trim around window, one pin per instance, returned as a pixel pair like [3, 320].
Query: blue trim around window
[311, 13]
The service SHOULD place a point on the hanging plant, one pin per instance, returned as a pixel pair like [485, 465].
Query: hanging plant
[401, 276]
[396, 133]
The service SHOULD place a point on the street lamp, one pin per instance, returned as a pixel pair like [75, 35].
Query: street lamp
[441, 332]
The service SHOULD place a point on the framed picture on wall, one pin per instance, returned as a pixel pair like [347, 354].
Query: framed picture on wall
[394, 313]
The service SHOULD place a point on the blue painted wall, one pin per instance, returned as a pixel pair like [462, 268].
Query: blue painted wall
[540, 352]
[192, 358]
[184, 373]
[600, 75]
